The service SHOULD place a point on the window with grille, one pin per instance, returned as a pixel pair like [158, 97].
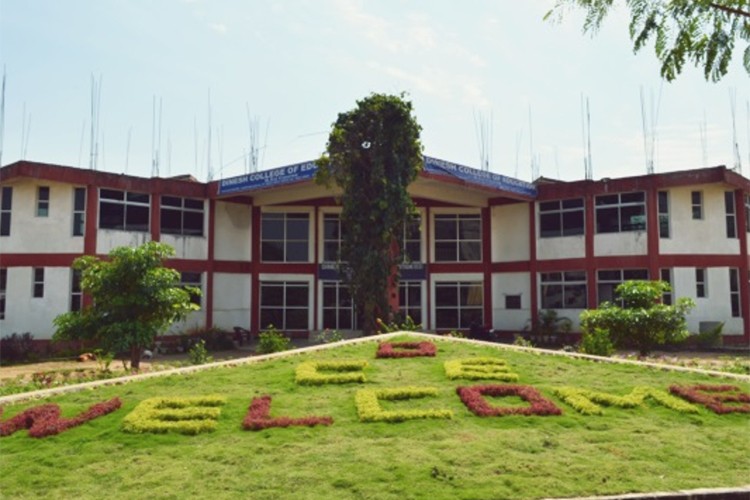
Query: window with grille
[563, 290]
[124, 210]
[285, 305]
[458, 238]
[561, 218]
[623, 212]
[458, 304]
[285, 237]
[181, 216]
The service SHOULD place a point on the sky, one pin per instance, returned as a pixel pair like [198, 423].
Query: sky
[190, 81]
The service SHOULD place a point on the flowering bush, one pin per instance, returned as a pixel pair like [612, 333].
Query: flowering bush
[406, 349]
[313, 372]
[258, 417]
[44, 420]
[369, 409]
[715, 397]
[183, 415]
[473, 398]
[584, 400]
[479, 369]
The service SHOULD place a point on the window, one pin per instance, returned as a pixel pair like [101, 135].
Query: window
[38, 282]
[338, 308]
[731, 214]
[701, 283]
[412, 247]
[564, 290]
[616, 213]
[42, 201]
[332, 237]
[76, 295]
[696, 202]
[410, 300]
[79, 211]
[513, 301]
[284, 304]
[663, 202]
[189, 278]
[5, 206]
[182, 216]
[3, 288]
[607, 282]
[561, 218]
[747, 213]
[458, 238]
[734, 292]
[666, 276]
[458, 305]
[284, 237]
[123, 210]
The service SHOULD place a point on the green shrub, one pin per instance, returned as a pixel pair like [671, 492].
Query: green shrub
[272, 340]
[585, 401]
[183, 415]
[710, 338]
[344, 372]
[328, 336]
[16, 348]
[369, 409]
[596, 342]
[479, 369]
[198, 354]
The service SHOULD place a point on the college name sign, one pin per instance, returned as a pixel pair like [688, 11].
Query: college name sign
[476, 176]
[268, 178]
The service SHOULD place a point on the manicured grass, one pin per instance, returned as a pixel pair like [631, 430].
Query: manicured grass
[647, 448]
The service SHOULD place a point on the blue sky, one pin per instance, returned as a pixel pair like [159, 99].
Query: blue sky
[297, 64]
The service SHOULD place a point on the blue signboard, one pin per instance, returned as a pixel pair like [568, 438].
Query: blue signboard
[268, 178]
[306, 171]
[476, 176]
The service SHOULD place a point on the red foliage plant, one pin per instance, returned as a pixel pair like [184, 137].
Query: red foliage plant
[258, 417]
[714, 397]
[473, 398]
[44, 420]
[406, 350]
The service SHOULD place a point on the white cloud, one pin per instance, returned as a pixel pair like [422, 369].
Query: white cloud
[218, 27]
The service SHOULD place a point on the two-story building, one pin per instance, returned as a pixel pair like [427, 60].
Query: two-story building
[485, 248]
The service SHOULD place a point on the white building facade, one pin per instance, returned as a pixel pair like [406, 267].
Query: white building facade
[486, 249]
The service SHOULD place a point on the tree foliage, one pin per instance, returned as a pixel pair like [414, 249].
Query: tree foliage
[135, 298]
[642, 321]
[373, 154]
[701, 32]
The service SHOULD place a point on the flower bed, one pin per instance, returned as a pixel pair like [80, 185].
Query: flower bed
[44, 420]
[474, 399]
[715, 397]
[406, 350]
[344, 372]
[183, 415]
[584, 400]
[258, 417]
[368, 406]
[479, 369]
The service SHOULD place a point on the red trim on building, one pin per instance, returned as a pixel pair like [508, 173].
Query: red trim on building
[92, 217]
[652, 228]
[211, 263]
[233, 266]
[590, 264]
[487, 260]
[155, 213]
[743, 264]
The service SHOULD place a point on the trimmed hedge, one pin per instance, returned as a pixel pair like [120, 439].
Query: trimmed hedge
[715, 397]
[479, 369]
[585, 401]
[44, 420]
[183, 415]
[369, 409]
[258, 417]
[406, 350]
[474, 399]
[344, 372]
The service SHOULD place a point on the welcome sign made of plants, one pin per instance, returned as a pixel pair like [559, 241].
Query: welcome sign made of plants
[199, 414]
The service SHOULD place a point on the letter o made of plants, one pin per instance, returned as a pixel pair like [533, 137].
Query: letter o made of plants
[474, 399]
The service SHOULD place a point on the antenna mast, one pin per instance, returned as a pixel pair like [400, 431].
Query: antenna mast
[735, 143]
[534, 159]
[96, 96]
[155, 138]
[25, 133]
[209, 169]
[251, 164]
[588, 168]
[483, 131]
[702, 129]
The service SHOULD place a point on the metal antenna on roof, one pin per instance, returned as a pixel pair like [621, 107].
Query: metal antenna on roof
[209, 168]
[483, 132]
[588, 168]
[96, 97]
[25, 132]
[735, 143]
[702, 129]
[220, 141]
[195, 143]
[155, 138]
[519, 136]
[251, 164]
[534, 158]
[80, 144]
[169, 154]
[2, 117]
[649, 129]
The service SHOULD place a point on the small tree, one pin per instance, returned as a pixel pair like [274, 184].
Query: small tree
[373, 154]
[643, 320]
[135, 298]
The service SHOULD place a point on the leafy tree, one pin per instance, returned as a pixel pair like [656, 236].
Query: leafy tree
[373, 154]
[703, 32]
[135, 298]
[643, 320]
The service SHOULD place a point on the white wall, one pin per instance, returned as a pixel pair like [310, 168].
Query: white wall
[510, 284]
[510, 232]
[563, 247]
[232, 236]
[24, 313]
[627, 243]
[109, 239]
[232, 296]
[187, 247]
[32, 234]
[716, 306]
[698, 236]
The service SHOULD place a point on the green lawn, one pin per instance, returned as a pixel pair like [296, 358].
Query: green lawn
[647, 448]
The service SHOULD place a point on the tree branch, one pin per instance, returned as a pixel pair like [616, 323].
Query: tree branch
[731, 10]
